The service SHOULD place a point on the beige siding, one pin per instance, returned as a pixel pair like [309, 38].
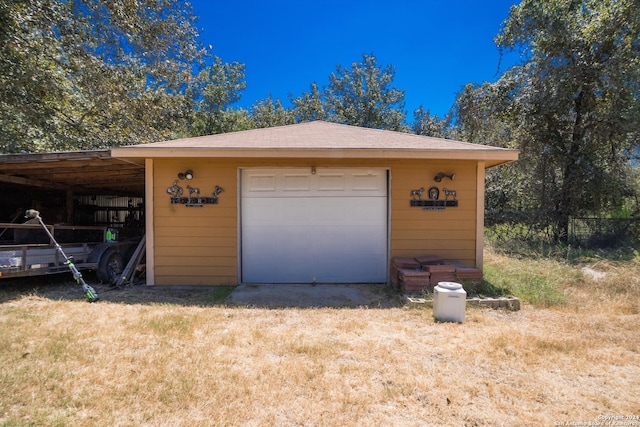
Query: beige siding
[199, 245]
[449, 233]
[195, 245]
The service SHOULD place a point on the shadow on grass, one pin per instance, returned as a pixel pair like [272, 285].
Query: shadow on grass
[61, 287]
[491, 289]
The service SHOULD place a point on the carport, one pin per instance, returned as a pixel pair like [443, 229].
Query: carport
[57, 182]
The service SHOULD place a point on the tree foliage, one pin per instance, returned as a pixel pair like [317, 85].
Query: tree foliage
[572, 106]
[267, 113]
[82, 74]
[310, 106]
[216, 87]
[362, 95]
[427, 125]
[86, 74]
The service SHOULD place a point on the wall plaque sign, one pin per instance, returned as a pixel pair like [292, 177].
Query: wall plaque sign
[175, 192]
[434, 202]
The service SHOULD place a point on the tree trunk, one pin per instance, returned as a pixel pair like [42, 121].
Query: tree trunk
[571, 174]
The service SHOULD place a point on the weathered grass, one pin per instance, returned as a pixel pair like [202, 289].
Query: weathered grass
[555, 281]
[69, 363]
[539, 282]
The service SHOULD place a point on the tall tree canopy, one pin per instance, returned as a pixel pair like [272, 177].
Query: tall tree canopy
[427, 125]
[310, 106]
[83, 74]
[362, 95]
[216, 87]
[267, 113]
[572, 106]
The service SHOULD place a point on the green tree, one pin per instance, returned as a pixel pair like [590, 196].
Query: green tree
[30, 81]
[267, 113]
[82, 74]
[572, 106]
[216, 87]
[310, 106]
[427, 125]
[363, 95]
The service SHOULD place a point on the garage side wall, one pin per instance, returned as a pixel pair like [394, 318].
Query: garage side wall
[449, 233]
[200, 245]
[195, 245]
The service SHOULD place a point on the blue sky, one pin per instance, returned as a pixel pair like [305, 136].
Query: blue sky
[436, 46]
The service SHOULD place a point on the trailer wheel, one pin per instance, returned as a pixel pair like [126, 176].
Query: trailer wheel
[110, 267]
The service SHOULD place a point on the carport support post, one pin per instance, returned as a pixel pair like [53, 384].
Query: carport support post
[70, 207]
[148, 217]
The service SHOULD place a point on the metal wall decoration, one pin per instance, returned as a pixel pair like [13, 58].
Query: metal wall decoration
[449, 193]
[434, 193]
[441, 175]
[175, 190]
[433, 201]
[175, 193]
[417, 194]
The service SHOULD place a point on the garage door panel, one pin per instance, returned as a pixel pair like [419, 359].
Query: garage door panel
[365, 239]
[330, 227]
[256, 237]
[260, 212]
[296, 239]
[366, 211]
[329, 211]
[293, 212]
[261, 182]
[296, 182]
[337, 269]
[370, 182]
[325, 183]
[331, 182]
[265, 268]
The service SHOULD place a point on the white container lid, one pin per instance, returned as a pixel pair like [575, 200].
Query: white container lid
[452, 286]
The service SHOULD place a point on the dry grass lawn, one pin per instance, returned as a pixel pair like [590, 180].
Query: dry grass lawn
[66, 362]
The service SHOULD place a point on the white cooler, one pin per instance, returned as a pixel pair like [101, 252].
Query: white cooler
[449, 302]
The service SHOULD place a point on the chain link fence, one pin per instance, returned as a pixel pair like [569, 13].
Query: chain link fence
[585, 232]
[604, 232]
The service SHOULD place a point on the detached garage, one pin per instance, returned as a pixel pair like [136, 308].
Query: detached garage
[308, 203]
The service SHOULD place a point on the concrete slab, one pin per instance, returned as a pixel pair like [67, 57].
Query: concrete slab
[305, 296]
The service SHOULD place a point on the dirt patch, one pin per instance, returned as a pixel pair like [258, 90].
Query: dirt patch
[308, 296]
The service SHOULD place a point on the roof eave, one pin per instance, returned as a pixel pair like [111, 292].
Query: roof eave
[492, 157]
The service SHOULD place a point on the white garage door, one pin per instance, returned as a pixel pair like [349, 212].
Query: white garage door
[327, 227]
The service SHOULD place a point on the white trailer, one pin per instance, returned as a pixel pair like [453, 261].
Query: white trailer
[25, 250]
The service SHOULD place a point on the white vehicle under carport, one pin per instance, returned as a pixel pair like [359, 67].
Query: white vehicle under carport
[25, 250]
